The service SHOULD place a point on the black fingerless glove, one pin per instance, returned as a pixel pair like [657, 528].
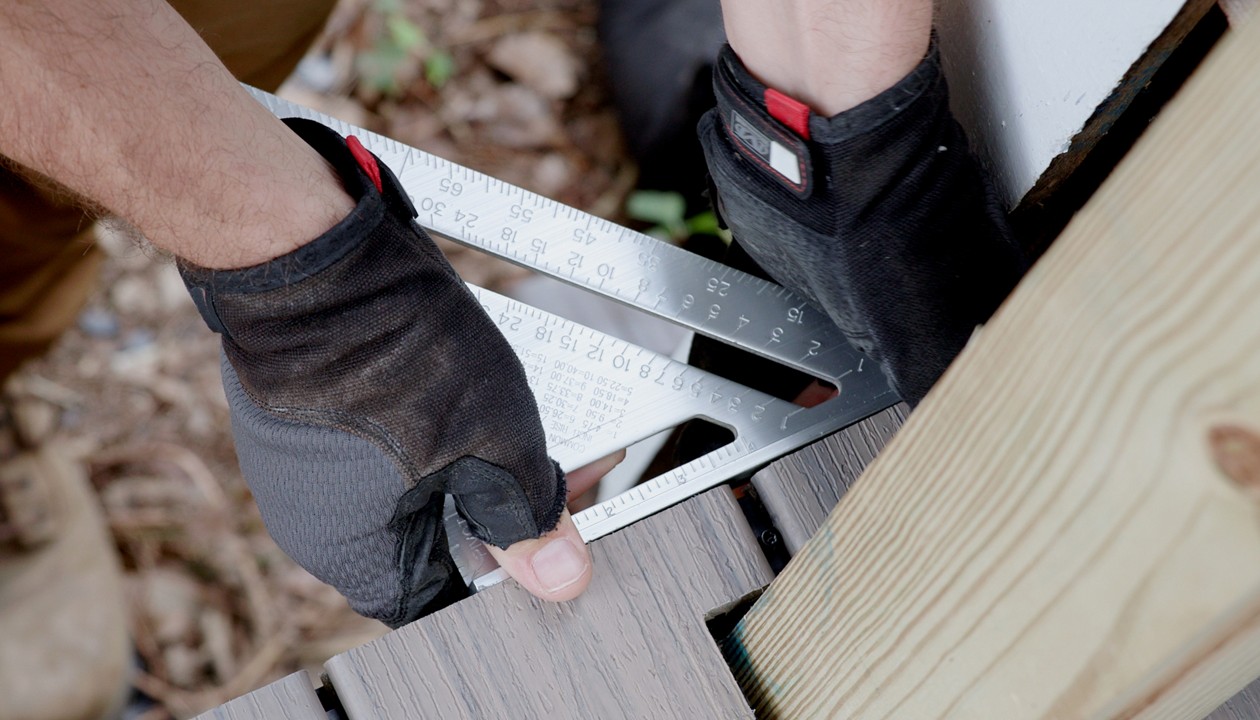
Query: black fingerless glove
[365, 382]
[880, 215]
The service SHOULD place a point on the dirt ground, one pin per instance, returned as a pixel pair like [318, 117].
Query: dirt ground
[509, 87]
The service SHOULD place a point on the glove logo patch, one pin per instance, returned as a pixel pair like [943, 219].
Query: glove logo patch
[769, 131]
[766, 150]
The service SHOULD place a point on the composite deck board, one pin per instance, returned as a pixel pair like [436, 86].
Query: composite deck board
[291, 698]
[801, 489]
[635, 645]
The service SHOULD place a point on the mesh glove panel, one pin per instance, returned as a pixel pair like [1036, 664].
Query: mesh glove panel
[365, 381]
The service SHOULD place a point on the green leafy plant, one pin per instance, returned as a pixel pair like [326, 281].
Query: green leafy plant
[439, 66]
[401, 41]
[669, 213]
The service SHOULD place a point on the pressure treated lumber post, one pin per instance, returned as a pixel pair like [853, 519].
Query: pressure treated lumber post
[1069, 525]
[1238, 11]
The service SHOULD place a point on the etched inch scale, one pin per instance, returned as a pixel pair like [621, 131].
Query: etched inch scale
[596, 393]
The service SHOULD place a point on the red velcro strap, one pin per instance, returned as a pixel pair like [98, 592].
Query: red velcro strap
[790, 112]
[365, 160]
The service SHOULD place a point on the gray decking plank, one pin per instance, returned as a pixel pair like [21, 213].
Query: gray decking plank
[1243, 706]
[802, 488]
[291, 698]
[635, 645]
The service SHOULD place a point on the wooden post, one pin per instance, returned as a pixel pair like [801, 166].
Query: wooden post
[1069, 525]
[1238, 11]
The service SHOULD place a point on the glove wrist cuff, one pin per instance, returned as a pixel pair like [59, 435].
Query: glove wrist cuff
[366, 180]
[777, 133]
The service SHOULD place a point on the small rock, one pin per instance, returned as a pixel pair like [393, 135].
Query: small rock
[98, 323]
[172, 294]
[72, 419]
[136, 364]
[216, 635]
[316, 72]
[138, 339]
[200, 424]
[92, 365]
[538, 60]
[171, 600]
[35, 420]
[551, 175]
[133, 295]
[185, 666]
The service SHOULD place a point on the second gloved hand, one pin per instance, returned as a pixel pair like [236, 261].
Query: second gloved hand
[365, 382]
[879, 215]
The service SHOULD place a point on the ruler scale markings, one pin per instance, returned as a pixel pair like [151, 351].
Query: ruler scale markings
[677, 268]
[597, 393]
[760, 422]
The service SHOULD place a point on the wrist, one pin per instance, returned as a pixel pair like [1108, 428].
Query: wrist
[830, 55]
[283, 206]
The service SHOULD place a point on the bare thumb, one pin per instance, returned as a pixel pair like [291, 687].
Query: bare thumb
[556, 566]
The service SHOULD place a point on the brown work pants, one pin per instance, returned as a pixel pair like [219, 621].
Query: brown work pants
[48, 262]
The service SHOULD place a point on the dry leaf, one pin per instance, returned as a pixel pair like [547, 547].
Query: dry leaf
[538, 60]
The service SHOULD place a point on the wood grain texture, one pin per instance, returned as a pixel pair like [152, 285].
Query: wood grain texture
[1238, 11]
[635, 645]
[800, 490]
[1243, 706]
[1036, 84]
[291, 698]
[1069, 525]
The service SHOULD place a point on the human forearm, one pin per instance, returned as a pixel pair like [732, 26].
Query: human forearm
[829, 54]
[123, 103]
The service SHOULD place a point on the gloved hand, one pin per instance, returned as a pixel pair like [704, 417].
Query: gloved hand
[879, 216]
[365, 381]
